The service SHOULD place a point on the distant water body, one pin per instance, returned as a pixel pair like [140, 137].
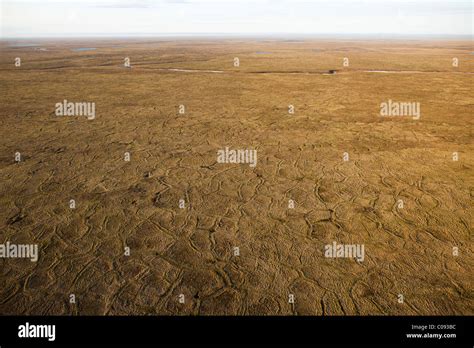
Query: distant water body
[24, 45]
[80, 49]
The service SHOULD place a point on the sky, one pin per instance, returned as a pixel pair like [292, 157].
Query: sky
[63, 18]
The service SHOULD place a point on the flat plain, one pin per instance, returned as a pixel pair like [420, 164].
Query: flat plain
[190, 251]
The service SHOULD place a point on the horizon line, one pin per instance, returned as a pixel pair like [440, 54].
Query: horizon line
[240, 35]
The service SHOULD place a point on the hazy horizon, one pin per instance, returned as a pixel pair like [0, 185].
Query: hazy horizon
[269, 36]
[161, 18]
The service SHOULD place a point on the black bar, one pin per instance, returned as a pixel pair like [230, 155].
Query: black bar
[191, 330]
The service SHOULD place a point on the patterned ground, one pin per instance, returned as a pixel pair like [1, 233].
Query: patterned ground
[190, 251]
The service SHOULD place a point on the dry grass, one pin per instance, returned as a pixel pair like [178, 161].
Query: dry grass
[189, 251]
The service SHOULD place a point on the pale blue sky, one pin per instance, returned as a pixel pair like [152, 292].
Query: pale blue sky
[43, 18]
